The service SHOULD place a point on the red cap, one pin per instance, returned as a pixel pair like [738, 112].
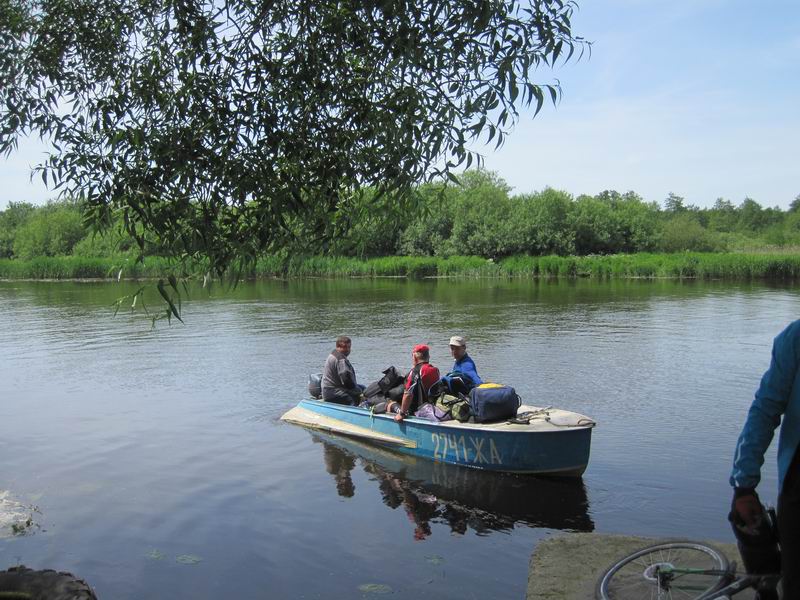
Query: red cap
[421, 348]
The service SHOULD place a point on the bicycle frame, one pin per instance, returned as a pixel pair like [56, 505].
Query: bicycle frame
[737, 582]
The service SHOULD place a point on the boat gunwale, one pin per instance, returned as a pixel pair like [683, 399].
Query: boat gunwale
[453, 424]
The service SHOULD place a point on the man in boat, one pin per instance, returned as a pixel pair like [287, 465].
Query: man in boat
[464, 363]
[777, 399]
[339, 377]
[422, 377]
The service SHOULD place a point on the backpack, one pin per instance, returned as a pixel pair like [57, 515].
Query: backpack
[389, 386]
[456, 406]
[457, 382]
[391, 379]
[493, 402]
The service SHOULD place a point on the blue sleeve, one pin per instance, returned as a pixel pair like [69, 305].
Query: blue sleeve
[766, 410]
[468, 367]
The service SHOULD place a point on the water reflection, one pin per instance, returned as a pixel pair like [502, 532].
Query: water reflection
[433, 492]
[340, 464]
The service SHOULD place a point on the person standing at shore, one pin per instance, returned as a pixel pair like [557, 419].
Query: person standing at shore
[777, 402]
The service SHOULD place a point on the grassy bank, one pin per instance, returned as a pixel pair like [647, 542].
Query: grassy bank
[80, 267]
[683, 265]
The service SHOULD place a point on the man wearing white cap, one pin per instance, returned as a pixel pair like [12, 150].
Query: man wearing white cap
[464, 364]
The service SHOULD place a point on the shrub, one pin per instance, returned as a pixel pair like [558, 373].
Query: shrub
[682, 233]
[51, 231]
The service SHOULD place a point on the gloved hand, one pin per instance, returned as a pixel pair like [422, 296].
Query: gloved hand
[747, 507]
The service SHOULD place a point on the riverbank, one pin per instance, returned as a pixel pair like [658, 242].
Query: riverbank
[686, 265]
[81, 267]
[567, 567]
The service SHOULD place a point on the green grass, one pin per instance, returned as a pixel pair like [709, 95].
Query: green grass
[695, 265]
[80, 267]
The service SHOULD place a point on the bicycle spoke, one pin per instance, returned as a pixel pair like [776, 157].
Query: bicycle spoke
[672, 570]
[684, 592]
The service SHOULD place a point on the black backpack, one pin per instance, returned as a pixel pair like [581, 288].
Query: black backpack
[389, 386]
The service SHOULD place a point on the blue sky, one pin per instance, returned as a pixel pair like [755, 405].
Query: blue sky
[696, 97]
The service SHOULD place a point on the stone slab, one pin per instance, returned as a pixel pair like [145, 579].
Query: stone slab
[567, 566]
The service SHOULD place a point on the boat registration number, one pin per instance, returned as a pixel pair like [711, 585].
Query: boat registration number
[469, 449]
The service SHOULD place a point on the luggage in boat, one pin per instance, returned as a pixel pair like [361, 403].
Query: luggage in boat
[456, 406]
[432, 412]
[373, 391]
[493, 402]
[457, 382]
[396, 393]
[315, 385]
[389, 386]
[391, 379]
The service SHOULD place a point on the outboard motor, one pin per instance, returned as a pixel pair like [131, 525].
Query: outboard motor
[759, 548]
[315, 385]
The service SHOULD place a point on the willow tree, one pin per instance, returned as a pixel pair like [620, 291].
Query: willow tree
[222, 129]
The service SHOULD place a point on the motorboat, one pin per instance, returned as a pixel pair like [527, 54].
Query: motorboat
[539, 440]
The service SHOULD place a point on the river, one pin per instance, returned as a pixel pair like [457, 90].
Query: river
[153, 463]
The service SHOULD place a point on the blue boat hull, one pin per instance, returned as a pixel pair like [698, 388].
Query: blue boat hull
[538, 449]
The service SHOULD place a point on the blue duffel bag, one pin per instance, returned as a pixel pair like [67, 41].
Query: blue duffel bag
[492, 402]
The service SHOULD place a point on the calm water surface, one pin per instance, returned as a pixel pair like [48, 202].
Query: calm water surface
[155, 465]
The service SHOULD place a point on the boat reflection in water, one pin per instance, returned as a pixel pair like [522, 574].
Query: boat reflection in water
[463, 498]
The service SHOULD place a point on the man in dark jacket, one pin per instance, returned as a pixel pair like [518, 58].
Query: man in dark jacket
[777, 399]
[339, 377]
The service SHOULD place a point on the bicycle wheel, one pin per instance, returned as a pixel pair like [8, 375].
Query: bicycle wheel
[636, 577]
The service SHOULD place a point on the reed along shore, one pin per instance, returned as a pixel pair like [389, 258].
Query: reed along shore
[689, 265]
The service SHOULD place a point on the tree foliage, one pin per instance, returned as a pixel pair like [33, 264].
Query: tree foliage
[53, 230]
[11, 219]
[227, 128]
[480, 216]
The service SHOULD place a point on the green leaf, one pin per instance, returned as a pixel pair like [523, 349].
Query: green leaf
[219, 146]
[171, 310]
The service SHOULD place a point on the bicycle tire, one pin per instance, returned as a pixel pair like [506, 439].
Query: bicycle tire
[631, 577]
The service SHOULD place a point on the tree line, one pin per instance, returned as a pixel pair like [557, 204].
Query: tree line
[478, 217]
[481, 217]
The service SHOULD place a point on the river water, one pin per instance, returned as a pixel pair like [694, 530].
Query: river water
[152, 462]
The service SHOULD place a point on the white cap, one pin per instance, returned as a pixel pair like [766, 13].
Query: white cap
[457, 340]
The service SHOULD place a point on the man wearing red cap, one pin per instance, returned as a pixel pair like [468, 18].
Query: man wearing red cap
[422, 376]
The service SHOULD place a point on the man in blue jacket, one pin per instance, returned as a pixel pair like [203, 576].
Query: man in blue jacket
[464, 364]
[777, 397]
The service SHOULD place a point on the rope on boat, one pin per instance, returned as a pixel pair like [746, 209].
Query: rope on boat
[528, 416]
[525, 418]
[585, 422]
